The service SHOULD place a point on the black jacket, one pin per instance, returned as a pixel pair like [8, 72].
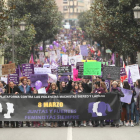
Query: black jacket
[55, 91]
[66, 89]
[12, 90]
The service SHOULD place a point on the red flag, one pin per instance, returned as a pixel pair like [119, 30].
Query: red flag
[31, 61]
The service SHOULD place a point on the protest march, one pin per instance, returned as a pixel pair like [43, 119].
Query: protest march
[70, 84]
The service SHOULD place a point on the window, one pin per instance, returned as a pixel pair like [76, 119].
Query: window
[65, 8]
[65, 1]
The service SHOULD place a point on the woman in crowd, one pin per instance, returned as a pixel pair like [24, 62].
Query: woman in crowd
[129, 105]
[2, 87]
[116, 90]
[103, 85]
[75, 91]
[136, 111]
[53, 91]
[98, 90]
[12, 89]
[63, 88]
[35, 123]
[25, 89]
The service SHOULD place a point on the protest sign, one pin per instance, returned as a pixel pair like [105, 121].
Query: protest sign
[54, 71]
[8, 69]
[134, 69]
[39, 77]
[64, 69]
[27, 69]
[107, 82]
[92, 68]
[122, 72]
[42, 91]
[42, 70]
[46, 66]
[52, 78]
[79, 58]
[41, 57]
[89, 61]
[64, 79]
[14, 77]
[53, 56]
[75, 75]
[84, 50]
[127, 95]
[72, 60]
[4, 79]
[64, 59]
[111, 73]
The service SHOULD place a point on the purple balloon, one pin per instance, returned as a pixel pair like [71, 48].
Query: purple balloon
[64, 50]
[41, 48]
[63, 47]
[54, 42]
[38, 84]
[51, 46]
[57, 44]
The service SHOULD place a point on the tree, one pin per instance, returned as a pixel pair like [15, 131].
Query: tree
[112, 23]
[44, 16]
[23, 42]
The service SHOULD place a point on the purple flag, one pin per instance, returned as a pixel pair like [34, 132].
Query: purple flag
[113, 58]
[130, 80]
[122, 72]
[127, 95]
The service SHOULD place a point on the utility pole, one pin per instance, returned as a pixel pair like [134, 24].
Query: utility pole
[13, 53]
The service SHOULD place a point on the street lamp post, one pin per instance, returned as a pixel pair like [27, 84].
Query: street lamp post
[136, 11]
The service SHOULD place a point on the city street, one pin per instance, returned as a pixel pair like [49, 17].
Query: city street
[83, 133]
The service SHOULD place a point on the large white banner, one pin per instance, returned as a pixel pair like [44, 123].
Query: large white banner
[64, 59]
[42, 70]
[134, 69]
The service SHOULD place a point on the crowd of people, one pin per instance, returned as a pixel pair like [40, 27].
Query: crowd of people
[69, 43]
[128, 111]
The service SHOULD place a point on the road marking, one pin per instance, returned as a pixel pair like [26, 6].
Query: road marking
[69, 133]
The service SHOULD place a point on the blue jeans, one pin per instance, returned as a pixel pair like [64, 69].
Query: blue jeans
[128, 107]
[136, 114]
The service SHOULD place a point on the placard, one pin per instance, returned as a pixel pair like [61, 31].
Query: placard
[92, 68]
[27, 69]
[64, 59]
[72, 60]
[84, 50]
[122, 72]
[42, 70]
[14, 77]
[75, 75]
[8, 69]
[41, 77]
[134, 69]
[64, 69]
[111, 73]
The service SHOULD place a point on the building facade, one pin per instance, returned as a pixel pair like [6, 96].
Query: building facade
[72, 8]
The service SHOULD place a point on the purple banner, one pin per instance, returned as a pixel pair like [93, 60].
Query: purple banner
[41, 77]
[64, 79]
[27, 69]
[127, 95]
[14, 77]
[84, 50]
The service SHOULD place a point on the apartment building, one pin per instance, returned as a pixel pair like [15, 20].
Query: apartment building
[72, 8]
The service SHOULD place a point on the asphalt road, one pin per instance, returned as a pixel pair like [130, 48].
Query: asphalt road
[69, 133]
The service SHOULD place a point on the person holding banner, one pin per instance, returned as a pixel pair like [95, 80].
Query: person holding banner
[136, 109]
[115, 89]
[98, 90]
[129, 105]
[12, 89]
[25, 89]
[53, 90]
